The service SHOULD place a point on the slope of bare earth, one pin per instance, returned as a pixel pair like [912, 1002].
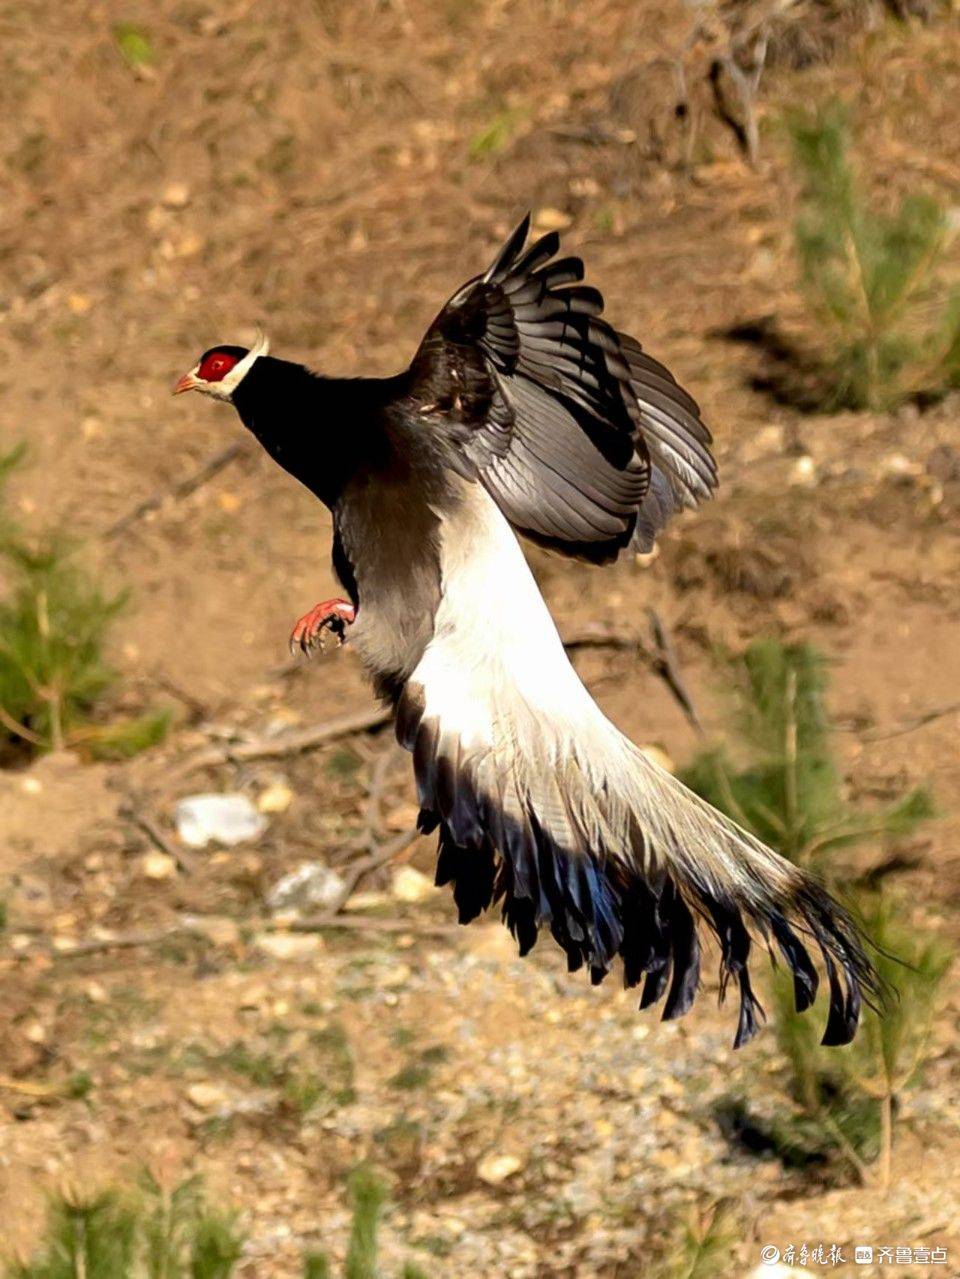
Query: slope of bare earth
[333, 172]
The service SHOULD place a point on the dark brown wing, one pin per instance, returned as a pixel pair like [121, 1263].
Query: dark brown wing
[582, 439]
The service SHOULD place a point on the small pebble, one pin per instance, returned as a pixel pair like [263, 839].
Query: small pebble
[496, 1169]
[288, 945]
[176, 195]
[206, 1096]
[158, 866]
[411, 885]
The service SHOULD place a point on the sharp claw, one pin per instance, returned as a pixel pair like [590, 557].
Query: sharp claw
[310, 632]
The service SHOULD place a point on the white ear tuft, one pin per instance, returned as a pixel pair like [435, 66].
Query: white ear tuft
[261, 346]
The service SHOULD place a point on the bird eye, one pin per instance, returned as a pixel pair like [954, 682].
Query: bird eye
[213, 368]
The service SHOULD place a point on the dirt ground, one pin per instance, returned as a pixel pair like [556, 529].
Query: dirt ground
[327, 172]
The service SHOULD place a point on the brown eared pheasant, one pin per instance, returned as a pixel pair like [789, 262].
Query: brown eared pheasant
[524, 411]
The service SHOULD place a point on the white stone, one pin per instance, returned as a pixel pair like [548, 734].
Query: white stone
[176, 195]
[224, 819]
[312, 885]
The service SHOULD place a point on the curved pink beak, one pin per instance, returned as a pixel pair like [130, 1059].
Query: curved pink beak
[189, 382]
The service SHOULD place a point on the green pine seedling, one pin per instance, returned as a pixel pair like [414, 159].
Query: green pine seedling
[153, 1234]
[167, 1219]
[890, 1054]
[91, 1236]
[788, 789]
[369, 1194]
[162, 1233]
[54, 624]
[785, 786]
[316, 1265]
[215, 1246]
[873, 279]
[705, 1245]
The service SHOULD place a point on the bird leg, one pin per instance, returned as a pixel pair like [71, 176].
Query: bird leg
[332, 615]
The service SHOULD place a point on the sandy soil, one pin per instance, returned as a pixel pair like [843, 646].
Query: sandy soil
[320, 170]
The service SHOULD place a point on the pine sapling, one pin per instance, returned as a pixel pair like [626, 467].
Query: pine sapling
[874, 280]
[785, 786]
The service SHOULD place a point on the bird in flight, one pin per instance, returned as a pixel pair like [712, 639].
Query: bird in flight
[525, 411]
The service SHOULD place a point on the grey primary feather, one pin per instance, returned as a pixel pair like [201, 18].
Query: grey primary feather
[584, 441]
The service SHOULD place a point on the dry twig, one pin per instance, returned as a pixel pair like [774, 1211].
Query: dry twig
[28, 1088]
[667, 667]
[85, 947]
[662, 658]
[134, 814]
[373, 924]
[910, 725]
[293, 743]
[183, 488]
[379, 856]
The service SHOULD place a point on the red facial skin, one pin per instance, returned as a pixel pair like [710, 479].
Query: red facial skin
[216, 367]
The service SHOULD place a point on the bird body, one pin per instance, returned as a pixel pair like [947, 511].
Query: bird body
[523, 410]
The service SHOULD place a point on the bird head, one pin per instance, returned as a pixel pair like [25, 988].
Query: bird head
[220, 370]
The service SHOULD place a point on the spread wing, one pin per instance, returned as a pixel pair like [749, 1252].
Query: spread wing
[584, 441]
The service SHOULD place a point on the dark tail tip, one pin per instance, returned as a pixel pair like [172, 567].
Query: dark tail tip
[597, 910]
[852, 978]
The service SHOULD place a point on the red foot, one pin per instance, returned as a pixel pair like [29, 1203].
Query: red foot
[333, 615]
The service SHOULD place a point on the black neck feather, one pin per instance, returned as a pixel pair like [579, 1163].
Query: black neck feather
[319, 429]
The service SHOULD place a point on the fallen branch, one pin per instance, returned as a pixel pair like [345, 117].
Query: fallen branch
[20, 730]
[143, 822]
[598, 636]
[97, 945]
[183, 488]
[375, 789]
[667, 666]
[293, 743]
[872, 878]
[30, 1089]
[726, 67]
[910, 725]
[364, 865]
[85, 947]
[662, 658]
[372, 923]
